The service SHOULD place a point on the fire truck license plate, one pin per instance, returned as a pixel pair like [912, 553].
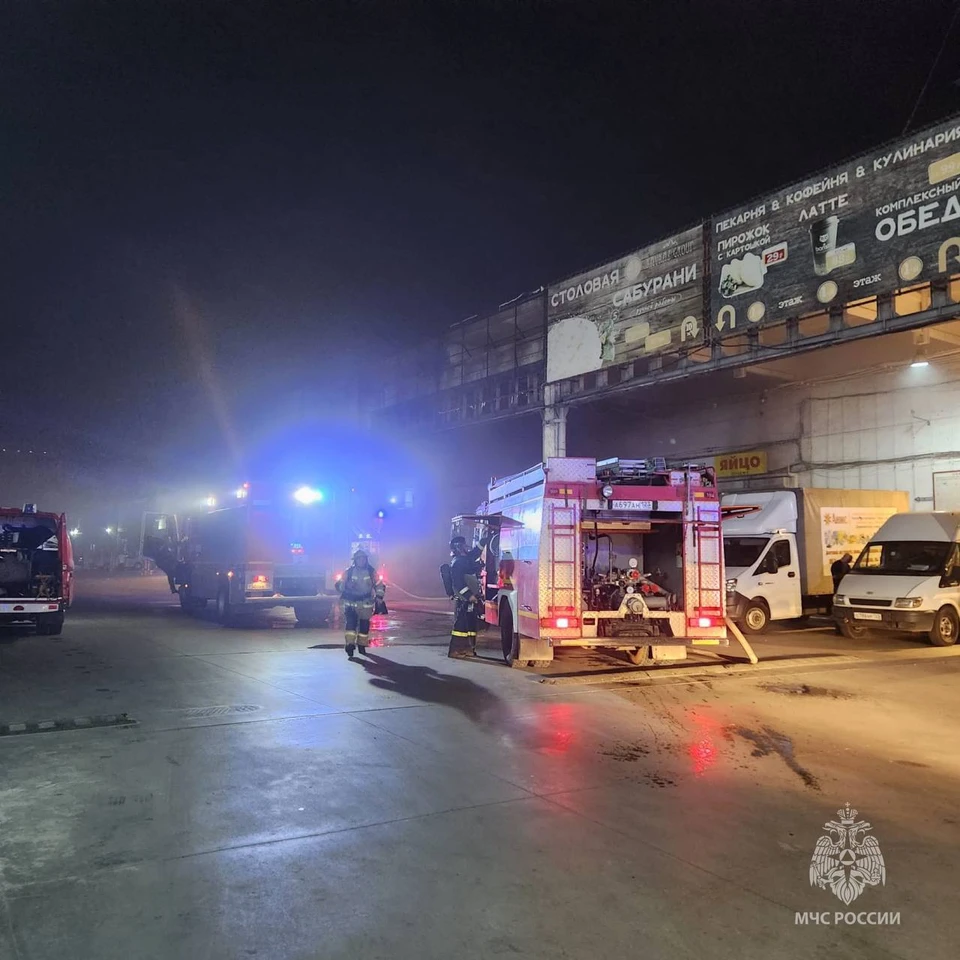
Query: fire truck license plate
[632, 504]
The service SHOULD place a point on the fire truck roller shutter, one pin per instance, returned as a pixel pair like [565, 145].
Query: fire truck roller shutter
[493, 563]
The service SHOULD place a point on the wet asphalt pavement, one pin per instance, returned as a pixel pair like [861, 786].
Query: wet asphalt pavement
[171, 788]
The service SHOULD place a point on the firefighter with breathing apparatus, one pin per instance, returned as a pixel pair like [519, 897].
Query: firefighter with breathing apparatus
[463, 585]
[361, 592]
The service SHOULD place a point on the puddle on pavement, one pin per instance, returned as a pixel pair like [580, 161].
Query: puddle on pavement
[632, 753]
[805, 689]
[655, 780]
[626, 752]
[767, 741]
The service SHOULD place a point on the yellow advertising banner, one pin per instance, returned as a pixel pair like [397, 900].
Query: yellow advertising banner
[740, 464]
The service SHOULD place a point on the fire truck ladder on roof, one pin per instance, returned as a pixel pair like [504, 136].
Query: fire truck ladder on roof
[563, 573]
[625, 470]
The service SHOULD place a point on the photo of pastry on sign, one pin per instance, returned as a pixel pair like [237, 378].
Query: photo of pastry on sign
[873, 225]
[746, 275]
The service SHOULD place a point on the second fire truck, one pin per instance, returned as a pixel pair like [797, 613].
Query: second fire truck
[623, 554]
[36, 568]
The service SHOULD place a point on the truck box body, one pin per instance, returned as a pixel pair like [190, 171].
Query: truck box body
[835, 522]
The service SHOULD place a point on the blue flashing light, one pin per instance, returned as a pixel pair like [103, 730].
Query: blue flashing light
[308, 495]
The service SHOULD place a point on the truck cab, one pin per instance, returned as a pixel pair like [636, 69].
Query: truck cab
[761, 558]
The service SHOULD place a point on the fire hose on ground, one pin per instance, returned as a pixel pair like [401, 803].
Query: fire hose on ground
[413, 596]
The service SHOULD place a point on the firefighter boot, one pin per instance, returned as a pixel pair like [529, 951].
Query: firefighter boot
[350, 639]
[362, 644]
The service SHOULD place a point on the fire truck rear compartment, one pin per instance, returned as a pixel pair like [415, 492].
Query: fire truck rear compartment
[618, 554]
[638, 569]
[29, 561]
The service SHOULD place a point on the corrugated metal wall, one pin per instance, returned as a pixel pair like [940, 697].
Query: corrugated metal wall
[892, 435]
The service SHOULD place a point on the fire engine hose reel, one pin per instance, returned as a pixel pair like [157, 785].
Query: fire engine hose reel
[634, 604]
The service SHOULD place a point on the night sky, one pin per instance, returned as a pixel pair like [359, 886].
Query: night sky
[220, 197]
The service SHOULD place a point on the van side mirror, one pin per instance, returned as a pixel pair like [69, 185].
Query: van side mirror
[769, 564]
[952, 578]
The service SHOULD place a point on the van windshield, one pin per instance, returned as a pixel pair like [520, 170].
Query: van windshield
[743, 551]
[919, 557]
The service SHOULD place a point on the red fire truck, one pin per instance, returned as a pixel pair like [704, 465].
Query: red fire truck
[36, 568]
[625, 554]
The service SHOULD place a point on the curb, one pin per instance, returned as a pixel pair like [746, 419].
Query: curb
[68, 723]
[651, 676]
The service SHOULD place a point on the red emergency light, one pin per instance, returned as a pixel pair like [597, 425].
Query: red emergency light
[702, 622]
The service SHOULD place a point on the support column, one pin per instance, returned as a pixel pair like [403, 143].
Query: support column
[554, 423]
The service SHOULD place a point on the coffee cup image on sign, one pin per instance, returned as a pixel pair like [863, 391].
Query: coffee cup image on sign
[742, 276]
[828, 254]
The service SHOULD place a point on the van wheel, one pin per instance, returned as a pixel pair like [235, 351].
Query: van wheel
[756, 618]
[507, 633]
[852, 632]
[224, 608]
[945, 626]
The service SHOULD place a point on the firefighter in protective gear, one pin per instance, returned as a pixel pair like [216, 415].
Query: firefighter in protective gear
[466, 592]
[360, 591]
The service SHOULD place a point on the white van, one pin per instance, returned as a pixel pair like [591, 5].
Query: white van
[906, 578]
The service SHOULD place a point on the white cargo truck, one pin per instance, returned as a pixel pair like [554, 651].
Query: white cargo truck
[779, 546]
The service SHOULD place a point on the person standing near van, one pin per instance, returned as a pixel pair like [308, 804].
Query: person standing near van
[839, 569]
